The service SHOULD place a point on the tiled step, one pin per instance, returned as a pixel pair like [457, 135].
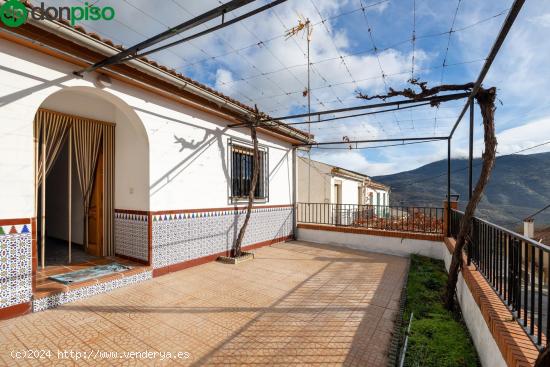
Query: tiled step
[50, 294]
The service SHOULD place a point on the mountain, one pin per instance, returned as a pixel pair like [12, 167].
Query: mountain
[519, 186]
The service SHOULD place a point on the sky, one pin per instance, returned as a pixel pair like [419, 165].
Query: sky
[366, 46]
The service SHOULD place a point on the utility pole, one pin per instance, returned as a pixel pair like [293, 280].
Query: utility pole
[306, 24]
[308, 30]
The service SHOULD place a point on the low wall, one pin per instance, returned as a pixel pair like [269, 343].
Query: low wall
[498, 337]
[487, 348]
[395, 245]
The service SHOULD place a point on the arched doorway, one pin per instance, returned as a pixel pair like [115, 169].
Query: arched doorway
[95, 160]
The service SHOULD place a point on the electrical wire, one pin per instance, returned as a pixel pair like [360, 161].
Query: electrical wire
[375, 147]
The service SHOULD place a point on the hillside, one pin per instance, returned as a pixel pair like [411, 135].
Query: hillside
[518, 187]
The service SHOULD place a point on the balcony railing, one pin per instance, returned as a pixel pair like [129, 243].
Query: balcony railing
[517, 269]
[383, 217]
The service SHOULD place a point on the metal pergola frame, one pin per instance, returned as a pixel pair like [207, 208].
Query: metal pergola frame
[469, 104]
[220, 11]
[134, 52]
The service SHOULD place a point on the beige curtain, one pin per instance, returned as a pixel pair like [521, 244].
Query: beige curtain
[108, 197]
[50, 129]
[88, 137]
[87, 140]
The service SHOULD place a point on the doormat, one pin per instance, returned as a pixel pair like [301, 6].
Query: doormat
[90, 273]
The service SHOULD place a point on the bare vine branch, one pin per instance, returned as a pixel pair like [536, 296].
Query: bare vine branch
[486, 100]
[237, 248]
[423, 93]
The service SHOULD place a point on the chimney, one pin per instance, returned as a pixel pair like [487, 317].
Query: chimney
[529, 227]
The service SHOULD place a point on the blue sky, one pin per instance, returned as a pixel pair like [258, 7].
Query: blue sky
[254, 63]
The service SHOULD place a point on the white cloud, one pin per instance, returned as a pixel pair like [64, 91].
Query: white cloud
[542, 20]
[515, 139]
[520, 71]
[525, 136]
[348, 159]
[223, 77]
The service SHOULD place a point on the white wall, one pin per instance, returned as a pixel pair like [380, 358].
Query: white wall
[387, 245]
[131, 144]
[320, 187]
[189, 155]
[374, 196]
[187, 174]
[349, 190]
[485, 344]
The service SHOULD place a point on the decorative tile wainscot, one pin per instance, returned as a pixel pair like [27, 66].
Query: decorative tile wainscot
[189, 235]
[131, 234]
[15, 264]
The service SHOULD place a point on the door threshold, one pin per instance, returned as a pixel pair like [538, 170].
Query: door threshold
[49, 293]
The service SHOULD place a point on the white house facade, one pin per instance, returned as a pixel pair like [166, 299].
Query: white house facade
[174, 174]
[323, 183]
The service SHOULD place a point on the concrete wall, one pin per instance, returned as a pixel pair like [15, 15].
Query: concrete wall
[485, 344]
[321, 182]
[387, 245]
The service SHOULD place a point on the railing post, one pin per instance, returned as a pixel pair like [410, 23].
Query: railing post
[447, 216]
[470, 249]
[471, 152]
[448, 208]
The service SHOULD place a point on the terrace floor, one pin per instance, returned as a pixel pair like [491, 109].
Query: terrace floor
[295, 303]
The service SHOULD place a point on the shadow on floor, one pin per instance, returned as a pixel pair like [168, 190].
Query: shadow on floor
[333, 307]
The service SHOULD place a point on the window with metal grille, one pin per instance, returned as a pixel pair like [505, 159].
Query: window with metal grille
[242, 167]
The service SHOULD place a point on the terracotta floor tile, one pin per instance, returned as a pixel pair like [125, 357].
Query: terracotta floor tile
[295, 304]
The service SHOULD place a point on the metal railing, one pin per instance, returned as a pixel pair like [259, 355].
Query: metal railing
[393, 218]
[517, 269]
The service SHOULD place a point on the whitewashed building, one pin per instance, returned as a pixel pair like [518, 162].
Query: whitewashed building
[319, 182]
[166, 177]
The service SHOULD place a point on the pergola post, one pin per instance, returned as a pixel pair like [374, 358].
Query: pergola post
[448, 187]
[471, 153]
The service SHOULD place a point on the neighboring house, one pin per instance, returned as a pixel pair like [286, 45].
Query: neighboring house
[322, 183]
[157, 176]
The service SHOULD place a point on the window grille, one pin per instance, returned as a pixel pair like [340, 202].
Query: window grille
[242, 167]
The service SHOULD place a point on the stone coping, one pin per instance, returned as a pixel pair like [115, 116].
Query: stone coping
[374, 232]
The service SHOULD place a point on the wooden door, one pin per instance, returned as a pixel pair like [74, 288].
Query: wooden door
[95, 212]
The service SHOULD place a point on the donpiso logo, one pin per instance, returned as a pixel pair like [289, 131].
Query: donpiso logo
[13, 13]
